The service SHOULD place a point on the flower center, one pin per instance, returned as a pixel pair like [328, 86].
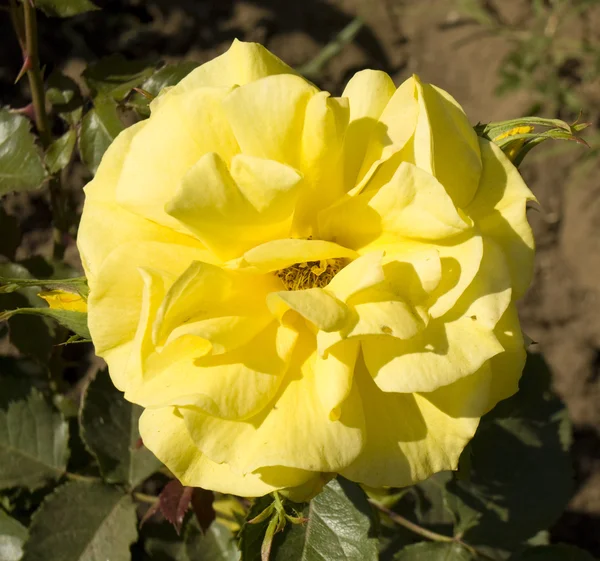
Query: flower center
[311, 274]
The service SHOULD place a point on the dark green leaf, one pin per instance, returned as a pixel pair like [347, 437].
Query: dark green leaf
[434, 551]
[60, 151]
[99, 128]
[65, 8]
[217, 544]
[521, 475]
[251, 535]
[33, 443]
[554, 553]
[75, 321]
[21, 167]
[340, 526]
[115, 76]
[168, 75]
[12, 537]
[83, 522]
[10, 235]
[64, 95]
[109, 427]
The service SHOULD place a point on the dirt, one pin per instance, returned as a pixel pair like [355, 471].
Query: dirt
[428, 37]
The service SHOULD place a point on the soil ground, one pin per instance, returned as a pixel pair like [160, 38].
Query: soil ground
[427, 37]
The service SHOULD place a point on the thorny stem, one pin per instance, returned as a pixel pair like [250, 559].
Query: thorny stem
[34, 74]
[25, 26]
[425, 533]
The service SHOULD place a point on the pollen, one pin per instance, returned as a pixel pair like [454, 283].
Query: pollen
[311, 274]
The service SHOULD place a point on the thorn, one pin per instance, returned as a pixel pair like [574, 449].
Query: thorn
[27, 111]
[27, 65]
[139, 443]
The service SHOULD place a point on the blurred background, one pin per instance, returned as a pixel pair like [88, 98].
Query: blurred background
[499, 59]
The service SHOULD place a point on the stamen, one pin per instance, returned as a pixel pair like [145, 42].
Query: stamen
[311, 274]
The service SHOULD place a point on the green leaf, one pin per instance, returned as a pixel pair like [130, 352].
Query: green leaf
[65, 8]
[434, 551]
[21, 167]
[521, 474]
[33, 443]
[340, 526]
[12, 537]
[64, 95]
[83, 522]
[75, 321]
[60, 151]
[166, 76]
[217, 544]
[554, 553]
[115, 76]
[99, 128]
[109, 427]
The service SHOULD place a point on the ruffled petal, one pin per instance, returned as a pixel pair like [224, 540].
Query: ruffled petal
[104, 223]
[116, 296]
[279, 254]
[369, 91]
[499, 210]
[294, 431]
[334, 375]
[234, 209]
[325, 125]
[445, 143]
[267, 117]
[412, 205]
[441, 354]
[316, 305]
[395, 128]
[164, 433]
[234, 385]
[412, 436]
[189, 126]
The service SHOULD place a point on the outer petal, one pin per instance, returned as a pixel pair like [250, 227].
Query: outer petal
[175, 138]
[164, 433]
[445, 143]
[279, 254]
[294, 431]
[499, 210]
[411, 436]
[232, 210]
[369, 91]
[115, 301]
[241, 64]
[104, 223]
[507, 367]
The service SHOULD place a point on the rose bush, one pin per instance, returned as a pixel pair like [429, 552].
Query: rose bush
[294, 285]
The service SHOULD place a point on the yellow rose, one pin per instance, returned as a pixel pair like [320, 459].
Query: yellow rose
[295, 285]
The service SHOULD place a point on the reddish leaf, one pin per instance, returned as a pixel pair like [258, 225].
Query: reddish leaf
[202, 505]
[139, 443]
[174, 502]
